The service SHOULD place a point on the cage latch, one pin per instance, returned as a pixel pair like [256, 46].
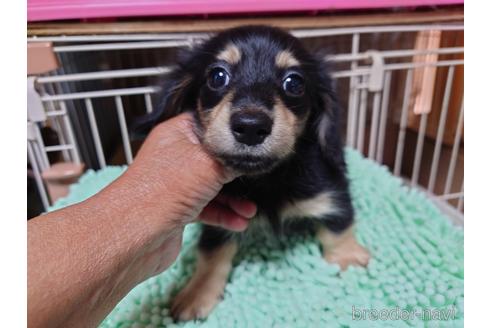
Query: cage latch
[376, 77]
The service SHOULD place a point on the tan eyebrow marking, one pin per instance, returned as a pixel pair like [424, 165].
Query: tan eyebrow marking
[231, 54]
[285, 59]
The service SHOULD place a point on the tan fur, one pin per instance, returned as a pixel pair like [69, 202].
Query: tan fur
[217, 113]
[317, 206]
[291, 119]
[286, 59]
[218, 136]
[231, 54]
[342, 248]
[201, 114]
[207, 284]
[286, 128]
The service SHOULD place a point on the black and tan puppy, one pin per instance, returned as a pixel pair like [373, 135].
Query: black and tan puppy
[265, 107]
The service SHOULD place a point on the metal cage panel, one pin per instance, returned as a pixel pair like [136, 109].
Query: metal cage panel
[107, 80]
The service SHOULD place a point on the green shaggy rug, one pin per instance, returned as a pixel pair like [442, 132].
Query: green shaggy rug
[415, 277]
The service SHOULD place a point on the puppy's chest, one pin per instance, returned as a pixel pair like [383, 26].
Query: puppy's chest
[280, 201]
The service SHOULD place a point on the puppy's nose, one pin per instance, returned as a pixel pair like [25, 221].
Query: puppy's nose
[250, 128]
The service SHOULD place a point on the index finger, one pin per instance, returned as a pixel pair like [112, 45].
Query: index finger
[219, 215]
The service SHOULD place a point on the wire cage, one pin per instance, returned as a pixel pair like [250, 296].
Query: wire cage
[401, 87]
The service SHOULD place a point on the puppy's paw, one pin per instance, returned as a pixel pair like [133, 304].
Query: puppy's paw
[196, 300]
[348, 253]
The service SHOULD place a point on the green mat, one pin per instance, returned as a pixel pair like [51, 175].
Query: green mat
[415, 277]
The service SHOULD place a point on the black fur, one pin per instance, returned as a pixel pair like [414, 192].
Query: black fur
[317, 164]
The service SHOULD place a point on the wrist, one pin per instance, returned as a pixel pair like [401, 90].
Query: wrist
[134, 214]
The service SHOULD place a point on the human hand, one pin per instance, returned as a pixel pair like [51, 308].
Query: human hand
[228, 213]
[84, 258]
[172, 165]
[172, 182]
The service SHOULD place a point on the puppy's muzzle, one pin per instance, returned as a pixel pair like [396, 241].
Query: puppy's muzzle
[251, 127]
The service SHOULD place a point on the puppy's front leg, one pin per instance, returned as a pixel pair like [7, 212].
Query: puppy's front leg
[216, 250]
[336, 234]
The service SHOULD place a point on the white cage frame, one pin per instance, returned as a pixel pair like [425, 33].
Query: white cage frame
[364, 79]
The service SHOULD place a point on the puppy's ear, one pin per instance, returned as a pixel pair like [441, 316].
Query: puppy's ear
[174, 100]
[327, 117]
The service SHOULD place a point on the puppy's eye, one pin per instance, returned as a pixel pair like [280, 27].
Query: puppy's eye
[218, 78]
[293, 85]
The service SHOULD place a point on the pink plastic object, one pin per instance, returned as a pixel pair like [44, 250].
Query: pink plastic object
[60, 176]
[42, 10]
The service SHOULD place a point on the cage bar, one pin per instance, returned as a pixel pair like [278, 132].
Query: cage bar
[395, 54]
[384, 117]
[400, 66]
[440, 130]
[58, 127]
[55, 113]
[59, 148]
[113, 74]
[101, 93]
[354, 100]
[420, 148]
[362, 119]
[454, 152]
[461, 199]
[352, 91]
[374, 124]
[37, 153]
[44, 163]
[95, 133]
[403, 124]
[70, 136]
[148, 103]
[455, 195]
[124, 130]
[37, 176]
[304, 33]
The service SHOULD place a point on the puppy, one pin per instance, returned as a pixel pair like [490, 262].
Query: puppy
[266, 107]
